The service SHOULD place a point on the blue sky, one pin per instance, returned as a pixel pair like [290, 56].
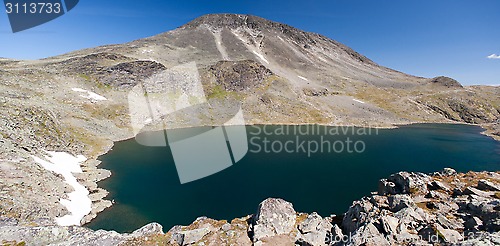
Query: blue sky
[421, 37]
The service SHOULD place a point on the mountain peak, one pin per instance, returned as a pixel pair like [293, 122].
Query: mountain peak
[267, 27]
[235, 21]
[227, 21]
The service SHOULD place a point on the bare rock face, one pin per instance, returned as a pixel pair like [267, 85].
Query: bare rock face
[129, 74]
[463, 106]
[239, 75]
[275, 217]
[446, 82]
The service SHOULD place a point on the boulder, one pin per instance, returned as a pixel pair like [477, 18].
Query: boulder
[398, 202]
[474, 191]
[386, 188]
[448, 171]
[274, 217]
[336, 237]
[149, 229]
[445, 222]
[486, 239]
[407, 183]
[314, 230]
[357, 215]
[369, 235]
[438, 185]
[487, 185]
[473, 223]
[380, 201]
[448, 235]
[190, 236]
[389, 224]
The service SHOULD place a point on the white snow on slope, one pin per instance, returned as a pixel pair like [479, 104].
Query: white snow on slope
[79, 203]
[220, 46]
[90, 95]
[359, 101]
[300, 77]
[261, 57]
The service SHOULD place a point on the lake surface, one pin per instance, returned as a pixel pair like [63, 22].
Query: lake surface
[146, 188]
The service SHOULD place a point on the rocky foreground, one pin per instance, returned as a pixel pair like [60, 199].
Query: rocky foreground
[444, 208]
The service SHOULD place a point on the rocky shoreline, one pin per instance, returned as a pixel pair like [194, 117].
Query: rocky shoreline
[443, 208]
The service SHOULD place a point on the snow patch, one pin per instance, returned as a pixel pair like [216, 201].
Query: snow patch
[90, 95]
[79, 203]
[261, 56]
[220, 46]
[359, 101]
[300, 77]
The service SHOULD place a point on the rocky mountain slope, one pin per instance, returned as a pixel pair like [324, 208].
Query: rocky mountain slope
[77, 102]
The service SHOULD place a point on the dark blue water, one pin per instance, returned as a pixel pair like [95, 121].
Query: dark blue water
[146, 188]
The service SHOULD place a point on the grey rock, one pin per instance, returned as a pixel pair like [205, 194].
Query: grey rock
[457, 192]
[386, 187]
[177, 239]
[274, 217]
[53, 235]
[336, 237]
[443, 221]
[314, 230]
[191, 236]
[436, 194]
[448, 235]
[389, 224]
[226, 227]
[492, 224]
[410, 216]
[407, 183]
[487, 185]
[369, 235]
[380, 201]
[473, 223]
[314, 222]
[449, 171]
[357, 215]
[483, 239]
[429, 234]
[474, 191]
[398, 202]
[149, 229]
[438, 185]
